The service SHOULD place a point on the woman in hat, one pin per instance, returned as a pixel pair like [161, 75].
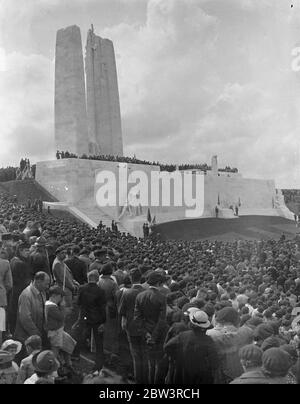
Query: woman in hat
[13, 348]
[8, 373]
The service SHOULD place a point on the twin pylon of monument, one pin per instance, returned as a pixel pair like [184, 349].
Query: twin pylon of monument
[87, 106]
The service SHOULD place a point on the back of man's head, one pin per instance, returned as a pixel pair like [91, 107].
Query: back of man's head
[135, 275]
[76, 250]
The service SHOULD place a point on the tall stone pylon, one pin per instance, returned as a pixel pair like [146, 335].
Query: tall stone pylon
[103, 104]
[71, 130]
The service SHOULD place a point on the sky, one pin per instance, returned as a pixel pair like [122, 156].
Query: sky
[197, 78]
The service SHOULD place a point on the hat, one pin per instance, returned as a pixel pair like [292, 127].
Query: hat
[5, 358]
[291, 350]
[41, 242]
[270, 342]
[107, 269]
[227, 315]
[190, 310]
[10, 342]
[251, 353]
[263, 331]
[154, 278]
[45, 362]
[276, 362]
[5, 361]
[199, 318]
[60, 249]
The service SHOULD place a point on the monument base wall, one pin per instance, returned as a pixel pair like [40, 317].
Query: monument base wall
[73, 181]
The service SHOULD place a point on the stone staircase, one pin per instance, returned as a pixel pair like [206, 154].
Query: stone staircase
[91, 214]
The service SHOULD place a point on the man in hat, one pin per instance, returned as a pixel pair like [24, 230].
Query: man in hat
[39, 260]
[150, 317]
[100, 258]
[45, 365]
[63, 277]
[134, 334]
[8, 246]
[92, 316]
[228, 341]
[110, 287]
[195, 354]
[77, 267]
[22, 276]
[31, 309]
[5, 287]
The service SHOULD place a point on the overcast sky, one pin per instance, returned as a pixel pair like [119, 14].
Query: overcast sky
[196, 78]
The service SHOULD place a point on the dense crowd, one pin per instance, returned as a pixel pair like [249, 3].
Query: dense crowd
[134, 160]
[172, 312]
[7, 174]
[13, 173]
[291, 195]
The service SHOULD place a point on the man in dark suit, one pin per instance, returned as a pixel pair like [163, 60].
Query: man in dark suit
[150, 317]
[76, 266]
[92, 316]
[136, 338]
[22, 276]
[195, 354]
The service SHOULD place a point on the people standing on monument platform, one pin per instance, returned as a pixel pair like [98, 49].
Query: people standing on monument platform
[217, 211]
[236, 210]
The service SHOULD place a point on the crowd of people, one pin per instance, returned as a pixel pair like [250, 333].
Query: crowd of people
[14, 173]
[134, 160]
[291, 195]
[172, 312]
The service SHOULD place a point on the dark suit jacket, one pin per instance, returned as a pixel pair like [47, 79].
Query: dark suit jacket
[126, 308]
[78, 269]
[195, 355]
[92, 303]
[150, 313]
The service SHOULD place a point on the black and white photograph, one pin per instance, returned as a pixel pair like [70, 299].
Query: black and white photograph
[149, 195]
